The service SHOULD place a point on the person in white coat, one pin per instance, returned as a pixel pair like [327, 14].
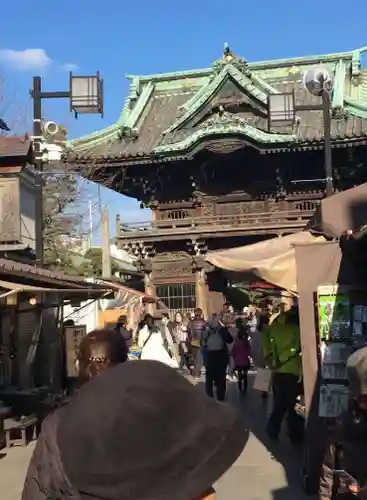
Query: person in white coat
[154, 343]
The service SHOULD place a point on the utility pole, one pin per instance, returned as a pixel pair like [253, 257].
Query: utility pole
[37, 147]
[90, 239]
[85, 95]
[106, 256]
[327, 142]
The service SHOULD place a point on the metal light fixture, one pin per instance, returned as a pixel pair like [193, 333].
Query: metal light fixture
[281, 107]
[320, 82]
[12, 300]
[86, 94]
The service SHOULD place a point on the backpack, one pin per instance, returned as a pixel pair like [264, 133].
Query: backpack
[214, 340]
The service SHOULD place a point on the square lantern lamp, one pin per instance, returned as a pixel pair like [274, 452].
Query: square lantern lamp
[281, 107]
[86, 94]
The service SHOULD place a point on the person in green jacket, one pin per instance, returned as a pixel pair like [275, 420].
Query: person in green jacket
[282, 353]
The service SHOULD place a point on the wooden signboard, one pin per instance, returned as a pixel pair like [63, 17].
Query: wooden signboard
[73, 337]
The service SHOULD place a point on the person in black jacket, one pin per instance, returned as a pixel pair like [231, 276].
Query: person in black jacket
[195, 332]
[124, 331]
[215, 342]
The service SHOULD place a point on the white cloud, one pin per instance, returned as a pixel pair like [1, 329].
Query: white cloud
[31, 60]
[69, 67]
[26, 60]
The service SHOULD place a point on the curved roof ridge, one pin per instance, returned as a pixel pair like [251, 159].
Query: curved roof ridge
[291, 61]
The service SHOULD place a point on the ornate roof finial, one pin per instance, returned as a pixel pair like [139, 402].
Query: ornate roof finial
[230, 58]
[228, 55]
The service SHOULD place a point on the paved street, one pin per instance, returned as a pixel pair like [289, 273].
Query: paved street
[259, 474]
[264, 470]
[13, 466]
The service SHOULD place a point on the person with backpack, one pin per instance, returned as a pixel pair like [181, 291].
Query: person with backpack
[215, 342]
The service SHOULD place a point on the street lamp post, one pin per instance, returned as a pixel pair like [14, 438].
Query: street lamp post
[327, 142]
[282, 107]
[85, 95]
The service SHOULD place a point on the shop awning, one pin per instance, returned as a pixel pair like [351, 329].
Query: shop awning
[124, 295]
[341, 212]
[272, 260]
[86, 292]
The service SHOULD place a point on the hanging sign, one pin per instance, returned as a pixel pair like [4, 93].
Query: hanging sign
[73, 337]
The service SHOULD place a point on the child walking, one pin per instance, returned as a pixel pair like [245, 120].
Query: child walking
[241, 355]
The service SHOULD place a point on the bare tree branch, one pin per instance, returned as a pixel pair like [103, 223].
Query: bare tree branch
[15, 113]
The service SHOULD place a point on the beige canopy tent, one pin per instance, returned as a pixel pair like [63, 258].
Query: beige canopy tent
[346, 210]
[272, 260]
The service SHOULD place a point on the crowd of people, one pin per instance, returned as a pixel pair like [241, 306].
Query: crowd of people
[140, 429]
[225, 347]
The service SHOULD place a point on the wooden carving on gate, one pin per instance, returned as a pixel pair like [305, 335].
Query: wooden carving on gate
[239, 208]
[173, 271]
[171, 256]
[176, 214]
[208, 209]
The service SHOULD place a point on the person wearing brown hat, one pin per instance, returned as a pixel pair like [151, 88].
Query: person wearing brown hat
[344, 469]
[139, 431]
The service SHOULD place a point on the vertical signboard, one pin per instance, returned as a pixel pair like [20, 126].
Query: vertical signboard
[73, 337]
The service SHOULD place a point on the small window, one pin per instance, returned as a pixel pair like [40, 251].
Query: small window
[178, 296]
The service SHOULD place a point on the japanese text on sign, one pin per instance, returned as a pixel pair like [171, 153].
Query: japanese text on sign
[73, 337]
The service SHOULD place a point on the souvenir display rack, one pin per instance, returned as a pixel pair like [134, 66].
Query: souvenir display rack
[342, 329]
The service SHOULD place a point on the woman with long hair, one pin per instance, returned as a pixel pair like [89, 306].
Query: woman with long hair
[180, 333]
[154, 343]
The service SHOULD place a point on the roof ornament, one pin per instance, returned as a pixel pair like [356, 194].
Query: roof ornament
[230, 58]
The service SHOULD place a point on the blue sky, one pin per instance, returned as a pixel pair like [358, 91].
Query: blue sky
[144, 37]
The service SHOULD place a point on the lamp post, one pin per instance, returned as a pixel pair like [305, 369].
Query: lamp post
[85, 95]
[282, 107]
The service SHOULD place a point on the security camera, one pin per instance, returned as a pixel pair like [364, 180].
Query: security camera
[51, 128]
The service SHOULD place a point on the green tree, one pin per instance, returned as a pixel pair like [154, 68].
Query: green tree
[60, 191]
[92, 264]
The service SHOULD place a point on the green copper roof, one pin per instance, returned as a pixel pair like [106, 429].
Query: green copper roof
[233, 127]
[195, 88]
[254, 66]
[260, 91]
[339, 85]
